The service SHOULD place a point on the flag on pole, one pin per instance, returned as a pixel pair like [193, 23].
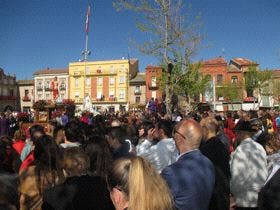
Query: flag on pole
[87, 19]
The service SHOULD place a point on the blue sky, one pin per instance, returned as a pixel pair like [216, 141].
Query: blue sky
[38, 34]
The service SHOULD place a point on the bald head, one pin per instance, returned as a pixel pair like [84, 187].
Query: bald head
[192, 132]
[210, 127]
[210, 123]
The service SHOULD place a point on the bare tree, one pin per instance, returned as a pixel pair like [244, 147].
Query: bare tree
[173, 34]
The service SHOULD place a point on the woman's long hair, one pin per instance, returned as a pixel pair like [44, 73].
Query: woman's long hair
[97, 148]
[47, 156]
[141, 184]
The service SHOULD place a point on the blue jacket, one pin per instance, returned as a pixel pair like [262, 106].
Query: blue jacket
[191, 180]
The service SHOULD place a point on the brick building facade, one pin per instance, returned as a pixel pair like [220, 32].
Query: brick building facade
[153, 74]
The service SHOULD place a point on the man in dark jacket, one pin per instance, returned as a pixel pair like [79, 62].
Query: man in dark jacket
[191, 178]
[216, 151]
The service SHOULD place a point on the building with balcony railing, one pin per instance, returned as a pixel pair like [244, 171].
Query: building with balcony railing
[8, 92]
[106, 82]
[44, 84]
[26, 94]
[153, 74]
[137, 89]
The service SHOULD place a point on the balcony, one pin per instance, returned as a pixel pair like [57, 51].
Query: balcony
[76, 73]
[39, 88]
[62, 87]
[47, 88]
[7, 98]
[26, 99]
[137, 92]
[105, 99]
[153, 86]
[112, 98]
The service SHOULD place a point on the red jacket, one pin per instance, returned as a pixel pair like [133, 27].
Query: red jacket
[18, 145]
[27, 162]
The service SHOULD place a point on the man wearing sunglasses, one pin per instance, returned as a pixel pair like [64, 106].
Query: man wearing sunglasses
[191, 178]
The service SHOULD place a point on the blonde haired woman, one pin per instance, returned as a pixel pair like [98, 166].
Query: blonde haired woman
[135, 185]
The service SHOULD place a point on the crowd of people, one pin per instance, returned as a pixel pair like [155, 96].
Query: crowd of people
[143, 161]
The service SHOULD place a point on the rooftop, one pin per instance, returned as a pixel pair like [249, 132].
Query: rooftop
[215, 61]
[26, 82]
[243, 61]
[51, 71]
[140, 77]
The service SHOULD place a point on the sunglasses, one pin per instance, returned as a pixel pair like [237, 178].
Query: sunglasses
[180, 134]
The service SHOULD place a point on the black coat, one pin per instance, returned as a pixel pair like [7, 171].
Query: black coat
[216, 151]
[269, 196]
[81, 193]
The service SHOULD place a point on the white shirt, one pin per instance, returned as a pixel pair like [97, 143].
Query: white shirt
[160, 155]
[248, 172]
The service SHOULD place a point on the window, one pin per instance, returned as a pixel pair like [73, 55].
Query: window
[112, 80]
[87, 81]
[122, 68]
[219, 78]
[26, 92]
[39, 84]
[137, 99]
[121, 94]
[87, 70]
[234, 79]
[5, 92]
[99, 81]
[154, 94]
[137, 90]
[112, 70]
[62, 96]
[47, 96]
[122, 79]
[99, 95]
[76, 82]
[112, 94]
[47, 84]
[154, 81]
[62, 85]
[11, 92]
[39, 96]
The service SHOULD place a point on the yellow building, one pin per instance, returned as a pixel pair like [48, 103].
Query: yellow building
[106, 82]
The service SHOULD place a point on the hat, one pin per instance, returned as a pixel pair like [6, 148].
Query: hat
[243, 125]
[256, 123]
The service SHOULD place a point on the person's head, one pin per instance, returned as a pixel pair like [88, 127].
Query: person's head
[244, 130]
[116, 123]
[256, 123]
[163, 130]
[116, 137]
[209, 127]
[187, 135]
[36, 131]
[8, 156]
[9, 195]
[73, 131]
[99, 154]
[146, 130]
[75, 162]
[134, 184]
[19, 135]
[59, 134]
[46, 153]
